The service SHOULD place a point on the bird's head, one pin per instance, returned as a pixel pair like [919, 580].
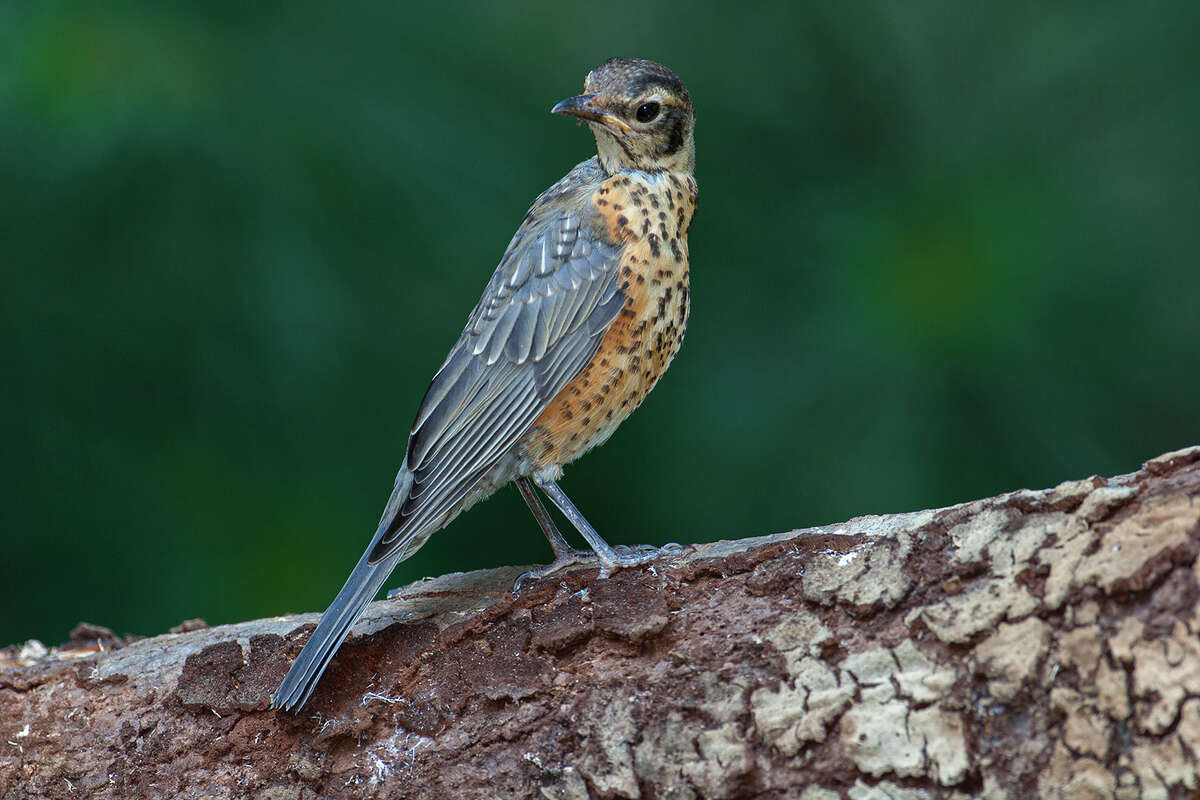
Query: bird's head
[640, 113]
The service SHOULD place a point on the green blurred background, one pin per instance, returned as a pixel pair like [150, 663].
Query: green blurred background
[943, 251]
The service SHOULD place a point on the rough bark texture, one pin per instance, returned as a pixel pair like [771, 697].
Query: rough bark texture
[1036, 644]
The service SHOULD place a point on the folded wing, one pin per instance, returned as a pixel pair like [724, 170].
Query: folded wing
[538, 324]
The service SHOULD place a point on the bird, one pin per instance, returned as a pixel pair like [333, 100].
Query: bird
[584, 313]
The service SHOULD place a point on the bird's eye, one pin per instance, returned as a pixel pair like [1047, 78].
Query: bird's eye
[647, 112]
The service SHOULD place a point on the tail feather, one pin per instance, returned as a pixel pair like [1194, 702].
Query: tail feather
[360, 588]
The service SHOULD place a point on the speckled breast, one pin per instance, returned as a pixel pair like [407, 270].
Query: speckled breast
[651, 215]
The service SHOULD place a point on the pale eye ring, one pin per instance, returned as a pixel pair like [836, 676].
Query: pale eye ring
[647, 112]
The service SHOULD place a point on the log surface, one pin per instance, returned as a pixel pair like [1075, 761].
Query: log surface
[1036, 644]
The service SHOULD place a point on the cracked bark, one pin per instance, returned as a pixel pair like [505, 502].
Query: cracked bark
[1035, 644]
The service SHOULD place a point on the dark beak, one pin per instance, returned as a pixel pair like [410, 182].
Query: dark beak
[585, 107]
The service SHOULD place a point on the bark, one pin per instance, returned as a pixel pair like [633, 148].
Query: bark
[1036, 644]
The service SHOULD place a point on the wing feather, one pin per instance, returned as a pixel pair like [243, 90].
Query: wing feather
[520, 340]
[541, 334]
[537, 325]
[551, 373]
[452, 389]
[497, 337]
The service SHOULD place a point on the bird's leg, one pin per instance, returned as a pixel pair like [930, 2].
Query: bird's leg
[611, 559]
[556, 539]
[564, 554]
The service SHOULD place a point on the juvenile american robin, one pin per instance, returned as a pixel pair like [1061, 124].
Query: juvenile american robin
[579, 321]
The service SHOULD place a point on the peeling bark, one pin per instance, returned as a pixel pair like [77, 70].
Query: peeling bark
[1037, 644]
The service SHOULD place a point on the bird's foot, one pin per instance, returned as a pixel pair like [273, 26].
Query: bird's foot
[623, 556]
[563, 559]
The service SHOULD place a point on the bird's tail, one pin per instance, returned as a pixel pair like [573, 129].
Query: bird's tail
[362, 585]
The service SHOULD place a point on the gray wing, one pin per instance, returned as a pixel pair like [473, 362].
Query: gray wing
[538, 324]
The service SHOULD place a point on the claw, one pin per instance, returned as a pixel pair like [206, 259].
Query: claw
[565, 559]
[633, 550]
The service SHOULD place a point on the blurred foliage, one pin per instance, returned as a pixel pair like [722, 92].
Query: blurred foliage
[943, 251]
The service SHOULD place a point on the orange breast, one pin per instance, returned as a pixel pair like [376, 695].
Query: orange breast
[651, 216]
